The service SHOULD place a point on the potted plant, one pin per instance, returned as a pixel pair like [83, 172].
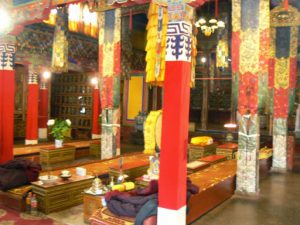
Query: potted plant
[59, 129]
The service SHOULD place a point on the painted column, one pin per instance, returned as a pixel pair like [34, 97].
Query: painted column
[173, 156]
[7, 96]
[109, 79]
[96, 112]
[250, 22]
[282, 79]
[43, 111]
[32, 107]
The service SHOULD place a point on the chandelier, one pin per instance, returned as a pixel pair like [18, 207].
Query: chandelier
[209, 26]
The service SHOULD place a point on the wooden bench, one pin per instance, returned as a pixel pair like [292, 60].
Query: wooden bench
[216, 183]
[15, 198]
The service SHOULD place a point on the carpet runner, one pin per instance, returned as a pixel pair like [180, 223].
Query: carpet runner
[12, 217]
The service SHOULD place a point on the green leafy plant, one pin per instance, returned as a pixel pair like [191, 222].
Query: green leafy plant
[59, 128]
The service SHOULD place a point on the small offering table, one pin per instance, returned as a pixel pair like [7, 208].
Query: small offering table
[61, 194]
[51, 157]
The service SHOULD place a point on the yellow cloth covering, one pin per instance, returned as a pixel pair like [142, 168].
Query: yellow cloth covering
[265, 153]
[127, 186]
[202, 141]
[150, 130]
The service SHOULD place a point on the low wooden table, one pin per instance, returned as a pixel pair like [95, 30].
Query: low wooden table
[51, 157]
[62, 194]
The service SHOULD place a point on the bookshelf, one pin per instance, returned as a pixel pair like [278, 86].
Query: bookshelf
[71, 98]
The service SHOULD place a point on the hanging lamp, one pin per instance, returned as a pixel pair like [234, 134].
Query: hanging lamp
[209, 25]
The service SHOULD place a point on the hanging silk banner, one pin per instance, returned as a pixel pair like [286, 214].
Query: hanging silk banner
[109, 57]
[194, 55]
[282, 79]
[283, 60]
[60, 42]
[222, 47]
[109, 77]
[156, 44]
[250, 44]
[126, 47]
[251, 59]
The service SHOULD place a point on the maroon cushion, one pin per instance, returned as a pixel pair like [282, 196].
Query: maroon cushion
[152, 220]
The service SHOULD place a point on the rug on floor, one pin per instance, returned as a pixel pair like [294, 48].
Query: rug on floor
[71, 216]
[13, 217]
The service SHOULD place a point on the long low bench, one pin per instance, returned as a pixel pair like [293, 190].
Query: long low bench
[15, 198]
[217, 183]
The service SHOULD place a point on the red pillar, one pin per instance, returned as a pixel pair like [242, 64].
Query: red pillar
[32, 108]
[96, 113]
[43, 111]
[173, 158]
[7, 91]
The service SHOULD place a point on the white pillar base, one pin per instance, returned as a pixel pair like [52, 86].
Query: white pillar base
[31, 142]
[96, 136]
[43, 133]
[170, 216]
[278, 170]
[279, 152]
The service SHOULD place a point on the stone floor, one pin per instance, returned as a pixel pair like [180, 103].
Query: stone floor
[277, 204]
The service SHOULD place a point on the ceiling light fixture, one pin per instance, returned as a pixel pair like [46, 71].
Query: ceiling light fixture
[6, 22]
[209, 26]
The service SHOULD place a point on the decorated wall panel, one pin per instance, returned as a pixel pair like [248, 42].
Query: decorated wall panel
[135, 97]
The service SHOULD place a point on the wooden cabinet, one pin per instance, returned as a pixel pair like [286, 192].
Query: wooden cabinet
[71, 98]
[51, 157]
[95, 150]
[62, 194]
[90, 204]
[21, 92]
[228, 150]
[195, 151]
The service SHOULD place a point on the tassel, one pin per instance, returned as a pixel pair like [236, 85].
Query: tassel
[286, 4]
[216, 8]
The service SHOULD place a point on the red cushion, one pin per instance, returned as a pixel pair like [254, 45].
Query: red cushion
[212, 158]
[228, 145]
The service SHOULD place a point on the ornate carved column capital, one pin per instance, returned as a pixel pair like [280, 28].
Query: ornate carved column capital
[33, 74]
[7, 52]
